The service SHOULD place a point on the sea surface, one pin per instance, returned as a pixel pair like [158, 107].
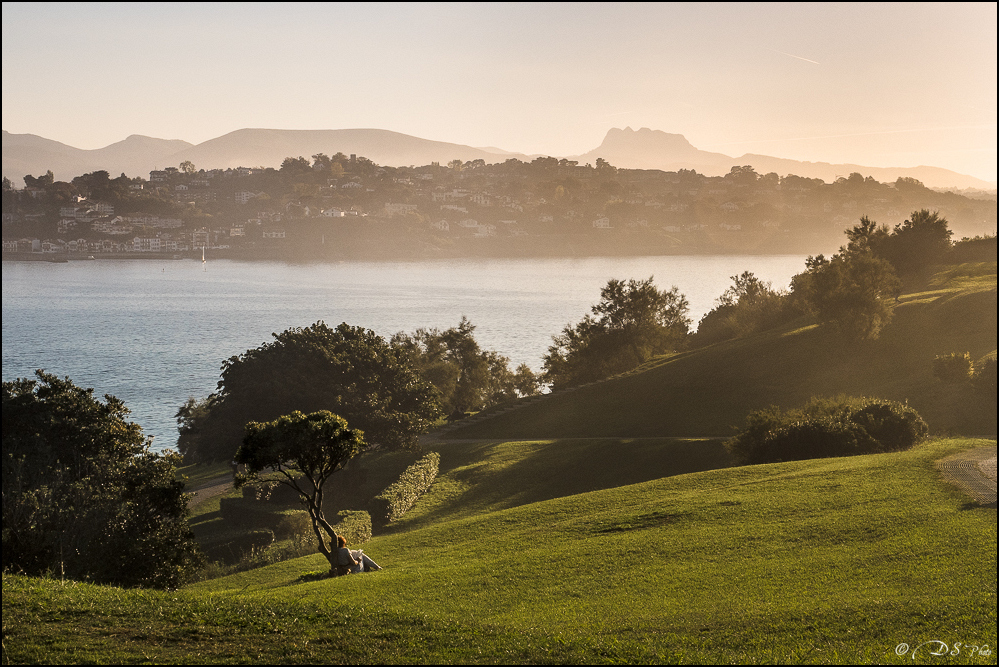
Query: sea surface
[155, 332]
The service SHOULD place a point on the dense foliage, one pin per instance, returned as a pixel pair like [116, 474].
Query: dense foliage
[467, 377]
[854, 293]
[856, 289]
[826, 427]
[747, 307]
[984, 378]
[922, 240]
[633, 322]
[305, 450]
[83, 497]
[348, 370]
[953, 368]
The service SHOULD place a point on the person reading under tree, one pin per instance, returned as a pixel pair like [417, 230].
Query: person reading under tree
[353, 560]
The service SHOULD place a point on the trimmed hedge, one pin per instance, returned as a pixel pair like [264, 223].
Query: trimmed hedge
[842, 427]
[392, 503]
[354, 526]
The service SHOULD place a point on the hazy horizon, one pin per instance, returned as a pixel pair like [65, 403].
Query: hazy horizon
[881, 85]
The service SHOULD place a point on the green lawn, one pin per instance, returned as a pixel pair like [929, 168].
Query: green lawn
[825, 561]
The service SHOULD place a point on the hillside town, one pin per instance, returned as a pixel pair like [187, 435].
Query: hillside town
[342, 207]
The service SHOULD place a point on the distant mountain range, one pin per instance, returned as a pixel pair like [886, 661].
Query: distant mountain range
[633, 149]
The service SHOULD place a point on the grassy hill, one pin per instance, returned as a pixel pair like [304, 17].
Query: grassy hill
[611, 542]
[827, 561]
[709, 391]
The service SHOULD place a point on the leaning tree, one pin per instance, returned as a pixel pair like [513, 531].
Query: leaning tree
[305, 450]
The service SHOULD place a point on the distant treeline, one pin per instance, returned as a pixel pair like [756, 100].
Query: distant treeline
[341, 207]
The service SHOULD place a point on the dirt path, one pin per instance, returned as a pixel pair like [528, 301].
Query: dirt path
[974, 472]
[210, 489]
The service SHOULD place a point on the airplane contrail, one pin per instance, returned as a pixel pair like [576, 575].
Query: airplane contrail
[791, 55]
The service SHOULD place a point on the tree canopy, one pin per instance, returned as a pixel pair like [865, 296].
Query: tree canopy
[83, 495]
[467, 377]
[632, 322]
[748, 306]
[350, 371]
[855, 293]
[920, 241]
[305, 450]
[857, 288]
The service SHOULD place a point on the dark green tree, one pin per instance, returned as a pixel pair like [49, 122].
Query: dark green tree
[350, 371]
[855, 293]
[467, 377]
[299, 166]
[305, 450]
[83, 496]
[633, 322]
[919, 242]
[748, 306]
[867, 237]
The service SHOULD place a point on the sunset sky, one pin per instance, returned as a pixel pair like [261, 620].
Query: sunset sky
[872, 84]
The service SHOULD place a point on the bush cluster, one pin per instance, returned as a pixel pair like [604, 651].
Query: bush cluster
[402, 494]
[844, 426]
[240, 546]
[958, 369]
[984, 377]
[354, 526]
[953, 368]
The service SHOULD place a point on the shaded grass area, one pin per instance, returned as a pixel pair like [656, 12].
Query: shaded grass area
[710, 391]
[480, 477]
[824, 561]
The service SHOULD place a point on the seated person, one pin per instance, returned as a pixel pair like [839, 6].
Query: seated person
[353, 560]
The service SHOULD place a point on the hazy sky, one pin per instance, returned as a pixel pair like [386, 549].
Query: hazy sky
[873, 84]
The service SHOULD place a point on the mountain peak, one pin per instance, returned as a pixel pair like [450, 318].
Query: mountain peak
[627, 138]
[652, 149]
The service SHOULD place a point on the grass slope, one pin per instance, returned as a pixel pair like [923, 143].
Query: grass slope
[825, 561]
[708, 392]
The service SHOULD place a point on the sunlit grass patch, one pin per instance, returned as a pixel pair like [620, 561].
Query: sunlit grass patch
[826, 561]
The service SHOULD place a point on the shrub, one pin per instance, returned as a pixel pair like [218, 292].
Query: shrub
[252, 550]
[402, 494]
[241, 545]
[842, 427]
[84, 495]
[953, 368]
[892, 427]
[354, 526]
[292, 523]
[984, 379]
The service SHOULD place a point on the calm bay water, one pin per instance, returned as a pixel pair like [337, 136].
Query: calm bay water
[155, 332]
